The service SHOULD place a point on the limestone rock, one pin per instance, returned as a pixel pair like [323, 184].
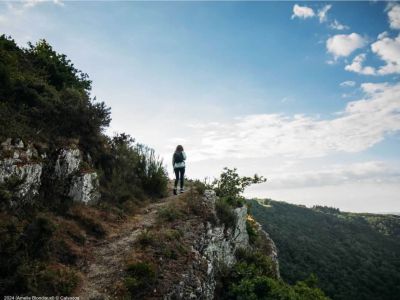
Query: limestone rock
[216, 247]
[84, 188]
[21, 164]
[67, 162]
[30, 169]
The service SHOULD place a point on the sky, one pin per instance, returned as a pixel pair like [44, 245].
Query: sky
[306, 94]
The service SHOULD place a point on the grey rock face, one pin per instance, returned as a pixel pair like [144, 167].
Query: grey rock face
[28, 173]
[80, 187]
[215, 247]
[67, 162]
[21, 164]
[222, 244]
[84, 188]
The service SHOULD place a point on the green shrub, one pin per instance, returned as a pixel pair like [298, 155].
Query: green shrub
[36, 238]
[173, 234]
[251, 231]
[44, 97]
[146, 238]
[131, 171]
[256, 261]
[8, 192]
[11, 257]
[140, 277]
[169, 213]
[253, 277]
[230, 186]
[225, 213]
[199, 186]
[55, 280]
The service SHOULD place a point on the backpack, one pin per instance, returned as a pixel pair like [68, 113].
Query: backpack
[178, 157]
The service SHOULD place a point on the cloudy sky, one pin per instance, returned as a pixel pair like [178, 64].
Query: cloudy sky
[304, 93]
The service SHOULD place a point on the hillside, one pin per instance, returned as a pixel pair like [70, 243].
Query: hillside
[89, 215]
[355, 256]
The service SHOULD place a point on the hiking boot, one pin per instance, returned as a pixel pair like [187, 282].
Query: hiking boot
[175, 193]
[182, 190]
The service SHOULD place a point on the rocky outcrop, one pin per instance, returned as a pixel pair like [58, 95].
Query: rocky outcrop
[221, 245]
[21, 168]
[84, 188]
[269, 247]
[214, 248]
[80, 186]
[26, 170]
[67, 162]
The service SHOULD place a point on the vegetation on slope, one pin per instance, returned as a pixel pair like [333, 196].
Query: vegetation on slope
[355, 256]
[46, 101]
[254, 275]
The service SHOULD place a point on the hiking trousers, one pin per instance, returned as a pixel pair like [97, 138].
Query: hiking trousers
[179, 176]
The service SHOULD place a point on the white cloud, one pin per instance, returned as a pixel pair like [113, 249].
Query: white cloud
[323, 13]
[302, 12]
[382, 35]
[338, 26]
[357, 66]
[344, 44]
[388, 50]
[17, 8]
[32, 3]
[348, 83]
[336, 174]
[394, 16]
[371, 88]
[361, 125]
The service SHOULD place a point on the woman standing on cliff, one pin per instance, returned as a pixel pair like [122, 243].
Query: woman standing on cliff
[178, 162]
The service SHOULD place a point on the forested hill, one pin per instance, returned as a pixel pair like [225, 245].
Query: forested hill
[355, 256]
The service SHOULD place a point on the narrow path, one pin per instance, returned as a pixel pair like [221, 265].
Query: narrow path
[108, 258]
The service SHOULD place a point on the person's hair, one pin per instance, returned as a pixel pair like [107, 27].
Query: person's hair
[179, 148]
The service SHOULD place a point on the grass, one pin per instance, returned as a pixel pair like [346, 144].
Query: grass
[146, 238]
[85, 217]
[169, 213]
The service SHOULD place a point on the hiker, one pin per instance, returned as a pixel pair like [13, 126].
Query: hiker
[178, 162]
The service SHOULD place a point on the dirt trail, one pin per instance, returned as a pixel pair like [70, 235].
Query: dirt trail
[108, 257]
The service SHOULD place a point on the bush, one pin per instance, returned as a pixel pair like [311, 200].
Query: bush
[146, 238]
[173, 234]
[225, 213]
[230, 186]
[55, 280]
[169, 213]
[130, 171]
[251, 231]
[8, 192]
[253, 277]
[199, 187]
[44, 97]
[36, 238]
[141, 276]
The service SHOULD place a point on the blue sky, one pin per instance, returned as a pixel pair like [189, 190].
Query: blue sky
[304, 93]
